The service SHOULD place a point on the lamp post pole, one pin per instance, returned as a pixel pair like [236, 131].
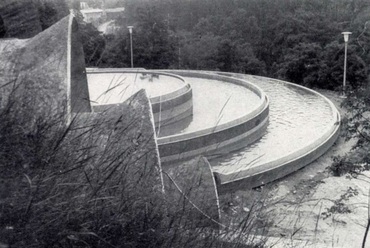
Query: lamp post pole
[132, 52]
[346, 37]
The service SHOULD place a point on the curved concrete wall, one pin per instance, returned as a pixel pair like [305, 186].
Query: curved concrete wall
[172, 107]
[256, 176]
[167, 108]
[222, 138]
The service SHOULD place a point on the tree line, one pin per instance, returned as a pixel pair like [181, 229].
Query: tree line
[299, 41]
[296, 40]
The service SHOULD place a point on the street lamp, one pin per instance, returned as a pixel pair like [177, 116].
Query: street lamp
[132, 52]
[346, 37]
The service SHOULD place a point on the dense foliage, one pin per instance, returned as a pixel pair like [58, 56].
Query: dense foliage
[299, 41]
[356, 128]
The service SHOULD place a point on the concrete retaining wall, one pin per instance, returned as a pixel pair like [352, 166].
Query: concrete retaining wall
[222, 138]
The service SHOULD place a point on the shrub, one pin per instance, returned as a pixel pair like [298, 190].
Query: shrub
[344, 165]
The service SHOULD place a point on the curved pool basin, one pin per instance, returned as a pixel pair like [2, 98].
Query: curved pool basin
[243, 104]
[303, 125]
[170, 95]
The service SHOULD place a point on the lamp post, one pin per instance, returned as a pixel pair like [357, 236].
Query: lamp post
[132, 52]
[346, 37]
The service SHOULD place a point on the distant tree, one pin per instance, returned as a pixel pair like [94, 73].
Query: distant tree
[226, 55]
[247, 62]
[155, 46]
[48, 15]
[2, 28]
[51, 12]
[20, 18]
[301, 64]
[93, 44]
[116, 53]
[201, 52]
[295, 40]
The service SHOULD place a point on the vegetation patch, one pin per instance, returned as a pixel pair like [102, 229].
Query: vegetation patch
[339, 206]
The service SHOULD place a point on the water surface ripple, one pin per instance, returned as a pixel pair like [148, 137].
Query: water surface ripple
[297, 119]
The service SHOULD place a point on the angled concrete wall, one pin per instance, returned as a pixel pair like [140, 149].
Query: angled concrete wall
[80, 100]
[38, 72]
[124, 136]
[192, 188]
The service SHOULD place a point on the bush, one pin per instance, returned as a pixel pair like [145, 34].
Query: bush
[345, 165]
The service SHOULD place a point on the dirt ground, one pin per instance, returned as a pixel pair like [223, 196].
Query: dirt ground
[312, 208]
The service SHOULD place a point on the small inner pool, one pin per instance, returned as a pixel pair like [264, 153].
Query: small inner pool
[109, 88]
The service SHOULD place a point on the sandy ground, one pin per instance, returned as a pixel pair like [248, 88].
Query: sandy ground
[300, 203]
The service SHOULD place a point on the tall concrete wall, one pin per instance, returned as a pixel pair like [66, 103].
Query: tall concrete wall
[37, 73]
[124, 138]
[192, 188]
[80, 100]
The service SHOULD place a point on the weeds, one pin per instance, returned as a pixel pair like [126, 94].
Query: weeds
[339, 206]
[92, 183]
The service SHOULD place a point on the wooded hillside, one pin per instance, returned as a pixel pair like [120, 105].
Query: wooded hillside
[299, 41]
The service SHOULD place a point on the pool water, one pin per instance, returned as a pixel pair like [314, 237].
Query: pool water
[214, 103]
[297, 119]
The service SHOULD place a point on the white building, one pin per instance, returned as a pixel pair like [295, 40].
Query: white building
[99, 16]
[94, 16]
